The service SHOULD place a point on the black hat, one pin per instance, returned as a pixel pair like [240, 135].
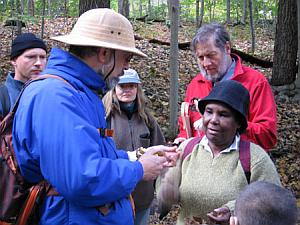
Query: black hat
[25, 41]
[234, 95]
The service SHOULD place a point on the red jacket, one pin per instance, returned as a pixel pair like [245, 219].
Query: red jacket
[262, 119]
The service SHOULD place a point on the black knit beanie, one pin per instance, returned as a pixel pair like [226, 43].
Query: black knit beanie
[25, 41]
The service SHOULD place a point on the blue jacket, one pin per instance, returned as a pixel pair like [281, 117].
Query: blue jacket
[56, 138]
[14, 88]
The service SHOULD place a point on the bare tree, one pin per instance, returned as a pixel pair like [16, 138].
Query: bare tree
[286, 44]
[201, 13]
[199, 19]
[298, 75]
[174, 67]
[213, 9]
[197, 12]
[228, 20]
[123, 7]
[66, 11]
[252, 26]
[244, 15]
[49, 8]
[19, 22]
[141, 8]
[149, 8]
[43, 17]
[237, 10]
[30, 7]
[22, 7]
[85, 5]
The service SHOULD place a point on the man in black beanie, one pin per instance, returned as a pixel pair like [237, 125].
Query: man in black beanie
[28, 57]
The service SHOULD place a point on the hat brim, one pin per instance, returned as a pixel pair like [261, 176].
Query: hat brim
[202, 104]
[129, 81]
[84, 41]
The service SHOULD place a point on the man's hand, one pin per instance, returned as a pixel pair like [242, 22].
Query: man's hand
[220, 216]
[169, 152]
[156, 158]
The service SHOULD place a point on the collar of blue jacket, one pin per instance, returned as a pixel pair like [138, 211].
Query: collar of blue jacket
[75, 68]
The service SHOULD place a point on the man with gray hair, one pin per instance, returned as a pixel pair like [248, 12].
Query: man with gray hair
[60, 133]
[263, 203]
[212, 48]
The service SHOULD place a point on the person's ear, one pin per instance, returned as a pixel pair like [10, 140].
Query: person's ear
[104, 55]
[228, 47]
[13, 63]
[233, 220]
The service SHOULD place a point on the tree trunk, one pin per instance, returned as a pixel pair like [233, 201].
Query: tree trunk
[30, 7]
[66, 11]
[201, 13]
[210, 10]
[150, 9]
[252, 26]
[43, 18]
[132, 7]
[174, 67]
[123, 7]
[85, 5]
[298, 75]
[213, 9]
[22, 7]
[49, 8]
[286, 44]
[244, 15]
[237, 10]
[141, 8]
[228, 20]
[197, 13]
[19, 22]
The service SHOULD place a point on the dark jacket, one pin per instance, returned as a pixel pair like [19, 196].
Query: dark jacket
[131, 134]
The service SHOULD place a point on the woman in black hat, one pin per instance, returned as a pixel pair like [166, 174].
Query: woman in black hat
[210, 174]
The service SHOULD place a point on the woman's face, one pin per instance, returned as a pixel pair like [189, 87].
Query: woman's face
[126, 92]
[220, 124]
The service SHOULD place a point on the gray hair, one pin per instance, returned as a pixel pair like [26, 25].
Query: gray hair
[83, 51]
[205, 32]
[263, 203]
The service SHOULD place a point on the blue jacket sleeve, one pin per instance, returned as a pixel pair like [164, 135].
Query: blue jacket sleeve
[56, 138]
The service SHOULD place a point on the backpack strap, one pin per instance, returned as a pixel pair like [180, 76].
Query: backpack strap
[245, 158]
[244, 154]
[5, 100]
[41, 77]
[190, 146]
[184, 113]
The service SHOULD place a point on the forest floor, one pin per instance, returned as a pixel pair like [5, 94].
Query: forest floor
[154, 72]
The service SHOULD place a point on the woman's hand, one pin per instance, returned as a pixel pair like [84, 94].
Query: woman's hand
[220, 216]
[168, 152]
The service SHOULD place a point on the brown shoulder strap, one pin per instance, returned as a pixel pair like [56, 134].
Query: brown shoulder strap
[41, 77]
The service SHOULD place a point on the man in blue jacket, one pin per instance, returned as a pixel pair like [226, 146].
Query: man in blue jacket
[28, 58]
[60, 133]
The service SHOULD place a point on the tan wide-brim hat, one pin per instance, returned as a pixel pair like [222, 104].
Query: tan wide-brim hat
[102, 28]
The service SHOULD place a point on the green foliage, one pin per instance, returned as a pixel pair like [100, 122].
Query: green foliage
[213, 10]
[160, 11]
